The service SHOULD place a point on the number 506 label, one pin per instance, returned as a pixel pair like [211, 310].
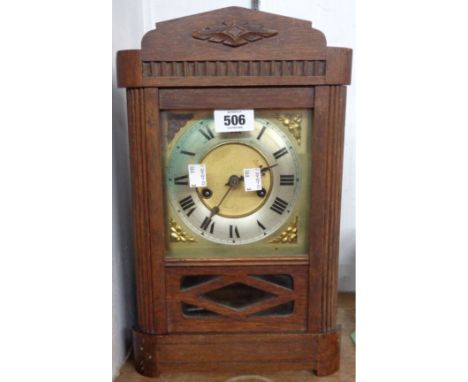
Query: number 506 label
[229, 121]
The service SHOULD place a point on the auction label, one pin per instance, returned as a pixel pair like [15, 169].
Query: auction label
[252, 179]
[197, 175]
[231, 121]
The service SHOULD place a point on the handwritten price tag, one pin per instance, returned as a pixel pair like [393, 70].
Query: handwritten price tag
[231, 121]
[252, 179]
[197, 175]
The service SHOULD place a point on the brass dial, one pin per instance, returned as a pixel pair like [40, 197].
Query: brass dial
[223, 212]
[232, 159]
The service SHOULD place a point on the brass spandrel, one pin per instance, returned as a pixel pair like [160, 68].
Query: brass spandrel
[289, 235]
[178, 235]
[293, 123]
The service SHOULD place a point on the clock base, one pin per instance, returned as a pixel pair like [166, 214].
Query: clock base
[154, 354]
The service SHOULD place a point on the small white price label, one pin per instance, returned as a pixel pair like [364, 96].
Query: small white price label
[197, 175]
[231, 121]
[252, 179]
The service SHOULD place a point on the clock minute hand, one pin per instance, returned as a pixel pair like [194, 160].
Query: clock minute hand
[233, 182]
[215, 209]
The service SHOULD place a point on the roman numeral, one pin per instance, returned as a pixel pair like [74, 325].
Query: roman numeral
[279, 205]
[187, 203]
[181, 180]
[287, 180]
[187, 152]
[261, 132]
[261, 225]
[206, 223]
[206, 132]
[233, 230]
[278, 154]
[191, 210]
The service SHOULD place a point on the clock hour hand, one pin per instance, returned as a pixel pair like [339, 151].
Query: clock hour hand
[263, 169]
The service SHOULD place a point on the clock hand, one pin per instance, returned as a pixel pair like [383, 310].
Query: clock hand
[241, 177]
[233, 183]
[263, 169]
[215, 209]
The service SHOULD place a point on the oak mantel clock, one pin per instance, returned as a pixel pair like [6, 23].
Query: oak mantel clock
[236, 125]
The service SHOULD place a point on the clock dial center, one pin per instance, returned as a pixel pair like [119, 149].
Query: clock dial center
[224, 167]
[234, 181]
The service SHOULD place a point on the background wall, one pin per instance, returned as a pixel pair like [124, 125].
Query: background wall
[131, 19]
[127, 20]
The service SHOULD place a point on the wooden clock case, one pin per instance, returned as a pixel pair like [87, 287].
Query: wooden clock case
[235, 58]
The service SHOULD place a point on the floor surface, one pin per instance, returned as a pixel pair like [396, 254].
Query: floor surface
[346, 318]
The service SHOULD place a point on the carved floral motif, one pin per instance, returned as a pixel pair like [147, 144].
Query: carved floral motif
[234, 34]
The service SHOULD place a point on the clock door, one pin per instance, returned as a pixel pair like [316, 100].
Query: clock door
[218, 228]
[221, 216]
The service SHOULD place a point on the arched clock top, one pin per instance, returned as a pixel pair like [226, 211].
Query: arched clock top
[234, 46]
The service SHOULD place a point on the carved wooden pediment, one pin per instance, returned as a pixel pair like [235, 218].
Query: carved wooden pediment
[255, 35]
[234, 46]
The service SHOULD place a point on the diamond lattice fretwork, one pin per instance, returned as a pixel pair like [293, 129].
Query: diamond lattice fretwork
[237, 296]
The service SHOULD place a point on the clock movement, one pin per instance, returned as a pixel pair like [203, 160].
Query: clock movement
[236, 126]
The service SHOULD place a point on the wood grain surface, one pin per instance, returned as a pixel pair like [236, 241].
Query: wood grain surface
[177, 68]
[327, 163]
[172, 40]
[171, 57]
[346, 373]
[143, 260]
[238, 98]
[237, 320]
